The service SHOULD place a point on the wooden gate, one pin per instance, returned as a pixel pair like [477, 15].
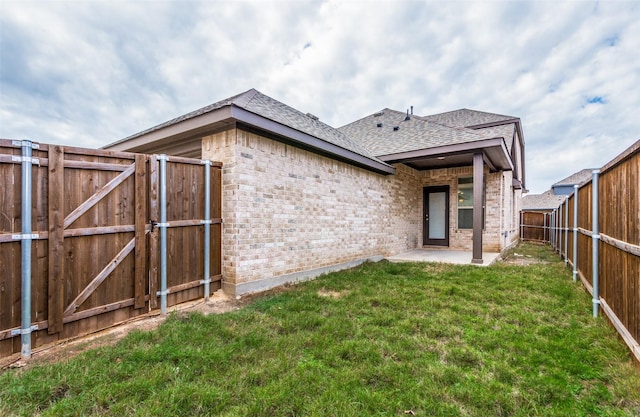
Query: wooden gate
[95, 251]
[535, 225]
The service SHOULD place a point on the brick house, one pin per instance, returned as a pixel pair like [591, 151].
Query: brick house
[301, 198]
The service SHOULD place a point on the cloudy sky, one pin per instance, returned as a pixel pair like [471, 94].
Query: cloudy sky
[87, 73]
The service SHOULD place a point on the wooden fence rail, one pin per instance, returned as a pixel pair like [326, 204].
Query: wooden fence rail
[608, 254]
[94, 251]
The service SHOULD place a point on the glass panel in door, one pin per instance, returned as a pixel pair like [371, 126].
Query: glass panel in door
[437, 210]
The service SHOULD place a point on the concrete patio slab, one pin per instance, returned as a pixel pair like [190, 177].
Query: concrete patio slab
[445, 256]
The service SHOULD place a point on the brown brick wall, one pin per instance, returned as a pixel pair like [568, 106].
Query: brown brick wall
[287, 210]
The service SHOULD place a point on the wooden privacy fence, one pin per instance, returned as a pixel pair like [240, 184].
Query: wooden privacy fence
[535, 226]
[92, 238]
[597, 231]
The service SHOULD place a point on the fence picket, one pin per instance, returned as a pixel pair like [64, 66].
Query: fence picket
[56, 239]
[140, 231]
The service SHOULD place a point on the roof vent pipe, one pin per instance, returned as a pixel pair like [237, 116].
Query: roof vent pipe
[396, 128]
[379, 124]
[407, 118]
[412, 110]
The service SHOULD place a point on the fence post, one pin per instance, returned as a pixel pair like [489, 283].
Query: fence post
[559, 225]
[207, 227]
[521, 225]
[566, 231]
[575, 233]
[553, 229]
[163, 233]
[596, 240]
[561, 229]
[544, 227]
[25, 242]
[549, 231]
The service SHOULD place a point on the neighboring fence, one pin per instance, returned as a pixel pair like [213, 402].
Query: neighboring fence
[597, 231]
[535, 226]
[92, 238]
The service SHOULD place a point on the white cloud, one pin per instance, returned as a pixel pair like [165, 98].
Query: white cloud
[90, 73]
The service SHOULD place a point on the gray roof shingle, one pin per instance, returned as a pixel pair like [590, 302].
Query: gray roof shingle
[546, 201]
[577, 178]
[240, 98]
[503, 131]
[466, 118]
[267, 107]
[377, 133]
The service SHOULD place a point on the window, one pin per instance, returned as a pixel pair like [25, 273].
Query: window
[465, 203]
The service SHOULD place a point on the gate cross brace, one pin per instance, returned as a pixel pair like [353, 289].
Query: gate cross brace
[86, 293]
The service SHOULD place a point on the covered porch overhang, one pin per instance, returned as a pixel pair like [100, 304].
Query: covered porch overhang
[494, 155]
[490, 152]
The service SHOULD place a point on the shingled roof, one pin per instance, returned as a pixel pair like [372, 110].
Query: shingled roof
[254, 101]
[575, 179]
[373, 142]
[545, 201]
[467, 118]
[503, 131]
[387, 132]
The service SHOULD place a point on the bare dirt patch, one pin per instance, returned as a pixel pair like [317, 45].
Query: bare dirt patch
[520, 259]
[329, 294]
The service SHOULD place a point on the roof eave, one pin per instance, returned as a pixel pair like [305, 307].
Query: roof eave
[228, 115]
[184, 129]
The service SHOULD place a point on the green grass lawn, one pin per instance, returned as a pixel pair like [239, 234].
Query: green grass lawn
[381, 339]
